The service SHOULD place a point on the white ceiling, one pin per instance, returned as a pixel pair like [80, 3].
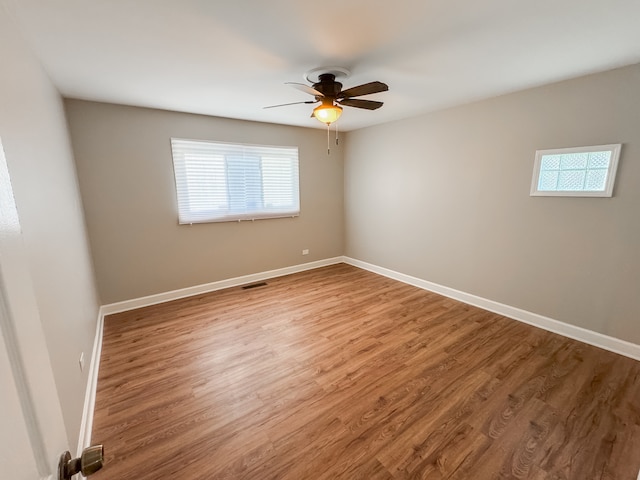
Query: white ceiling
[230, 58]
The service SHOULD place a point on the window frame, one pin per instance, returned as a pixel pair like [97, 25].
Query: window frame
[189, 217]
[614, 148]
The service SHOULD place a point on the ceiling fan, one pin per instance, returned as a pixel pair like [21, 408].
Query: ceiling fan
[328, 92]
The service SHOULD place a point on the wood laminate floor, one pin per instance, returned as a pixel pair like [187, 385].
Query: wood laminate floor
[338, 373]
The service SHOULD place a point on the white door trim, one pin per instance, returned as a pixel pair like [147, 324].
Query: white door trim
[19, 377]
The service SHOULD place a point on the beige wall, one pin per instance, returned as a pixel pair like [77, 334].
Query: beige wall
[124, 164]
[36, 144]
[445, 197]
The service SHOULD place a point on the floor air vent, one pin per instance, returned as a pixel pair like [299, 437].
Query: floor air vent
[254, 285]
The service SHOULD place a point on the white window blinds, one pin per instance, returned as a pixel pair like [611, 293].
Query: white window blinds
[222, 182]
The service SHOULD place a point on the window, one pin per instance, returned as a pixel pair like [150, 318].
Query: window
[577, 172]
[222, 182]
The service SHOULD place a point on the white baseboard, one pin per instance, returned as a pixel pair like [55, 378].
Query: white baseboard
[86, 425]
[213, 286]
[596, 339]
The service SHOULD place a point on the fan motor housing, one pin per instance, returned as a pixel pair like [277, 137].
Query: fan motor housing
[328, 85]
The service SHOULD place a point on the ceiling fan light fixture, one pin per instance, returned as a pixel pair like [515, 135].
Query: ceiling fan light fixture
[327, 113]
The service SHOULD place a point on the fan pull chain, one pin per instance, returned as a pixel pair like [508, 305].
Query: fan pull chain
[328, 139]
[337, 143]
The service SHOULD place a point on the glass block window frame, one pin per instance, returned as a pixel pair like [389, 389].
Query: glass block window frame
[576, 171]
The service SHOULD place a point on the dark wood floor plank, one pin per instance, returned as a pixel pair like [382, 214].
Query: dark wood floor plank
[338, 373]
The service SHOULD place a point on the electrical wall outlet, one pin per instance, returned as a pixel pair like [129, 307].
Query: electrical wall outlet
[81, 361]
[305, 251]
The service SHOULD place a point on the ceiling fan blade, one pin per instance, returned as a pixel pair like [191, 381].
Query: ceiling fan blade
[356, 102]
[293, 103]
[365, 89]
[305, 88]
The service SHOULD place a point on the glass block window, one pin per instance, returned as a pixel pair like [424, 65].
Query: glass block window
[576, 172]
